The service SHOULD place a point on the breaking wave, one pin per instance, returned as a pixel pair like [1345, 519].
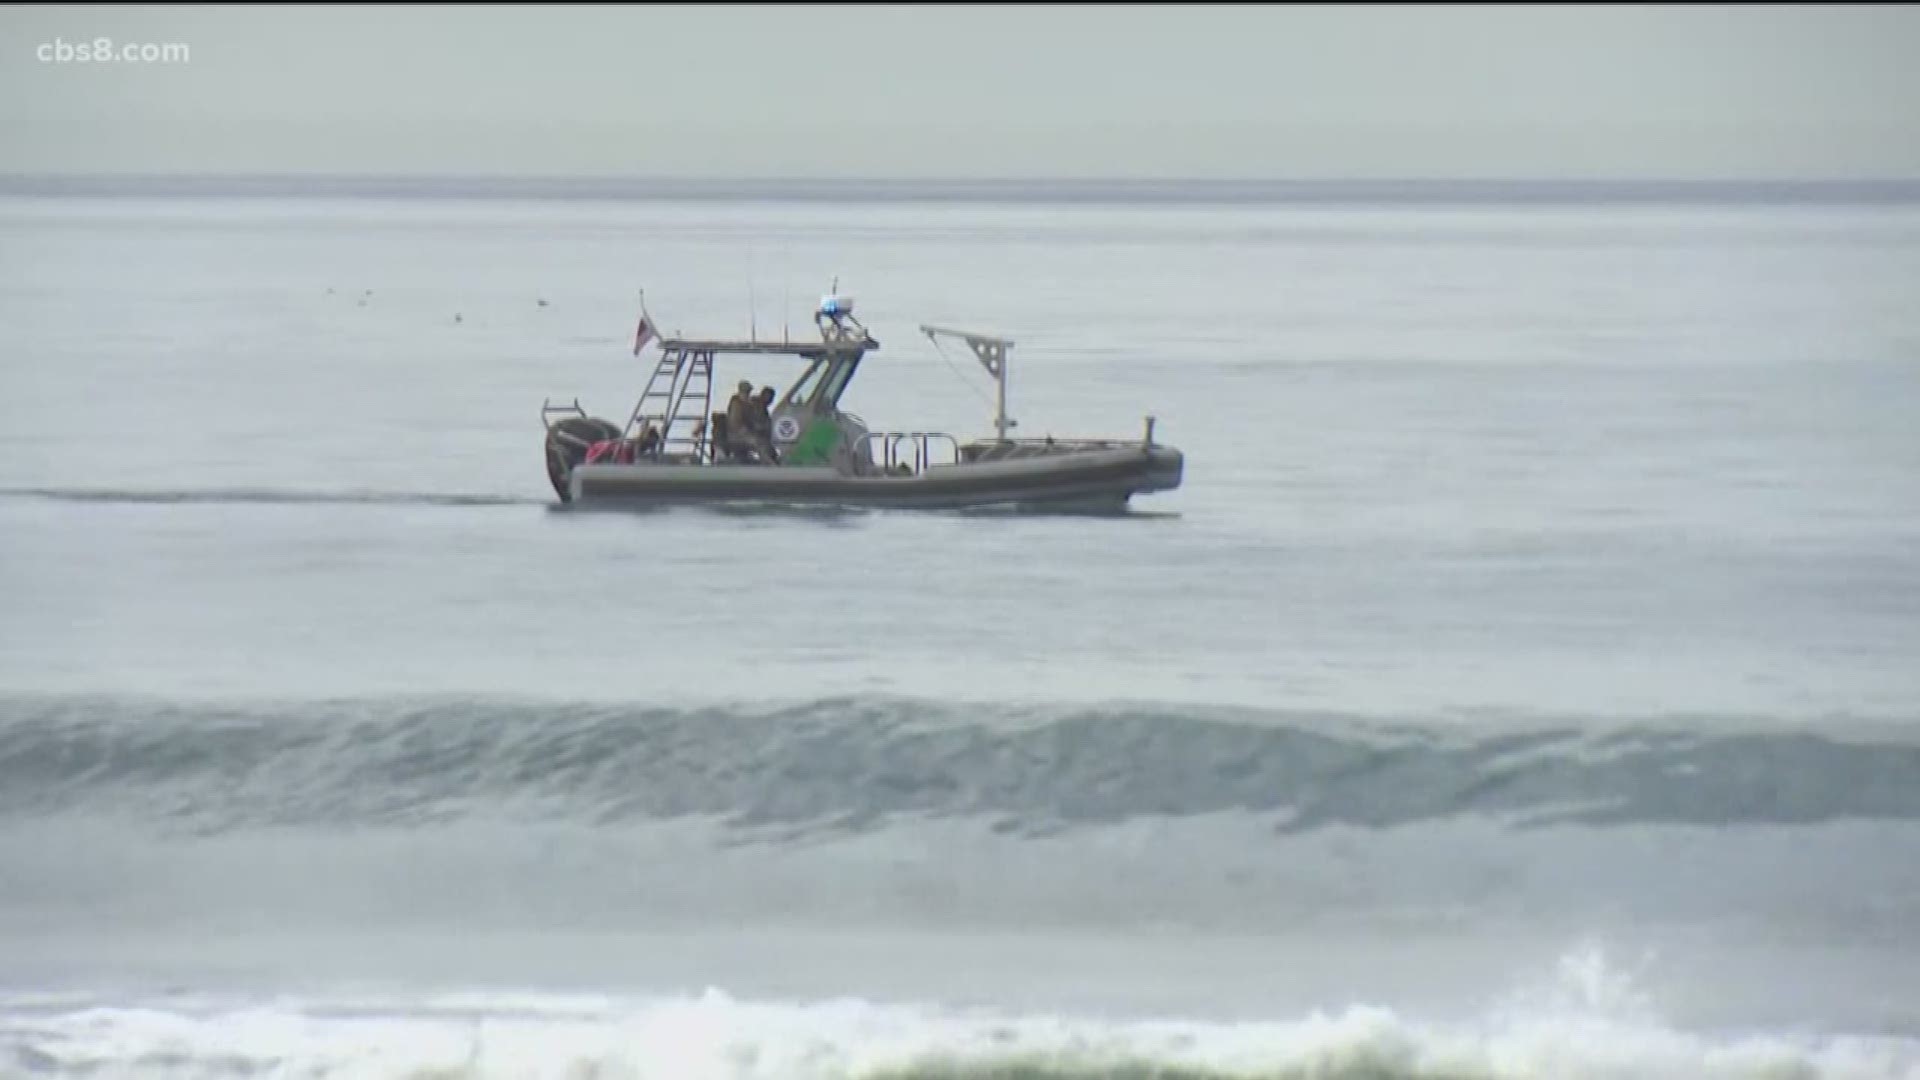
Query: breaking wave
[1588, 1022]
[857, 763]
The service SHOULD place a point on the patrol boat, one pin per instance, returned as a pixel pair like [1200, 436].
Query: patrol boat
[674, 449]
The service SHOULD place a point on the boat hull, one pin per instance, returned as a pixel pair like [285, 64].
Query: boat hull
[1079, 481]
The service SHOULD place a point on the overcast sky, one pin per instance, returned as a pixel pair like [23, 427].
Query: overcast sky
[1179, 91]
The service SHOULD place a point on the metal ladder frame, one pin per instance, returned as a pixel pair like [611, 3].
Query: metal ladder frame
[682, 369]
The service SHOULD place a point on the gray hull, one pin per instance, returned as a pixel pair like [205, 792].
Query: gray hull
[1083, 480]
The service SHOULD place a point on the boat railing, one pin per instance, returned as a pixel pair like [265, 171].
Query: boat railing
[1007, 449]
[548, 409]
[910, 448]
[1016, 449]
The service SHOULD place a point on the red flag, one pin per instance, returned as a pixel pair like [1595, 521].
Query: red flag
[640, 335]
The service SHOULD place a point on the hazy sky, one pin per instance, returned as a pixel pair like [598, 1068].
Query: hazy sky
[1178, 91]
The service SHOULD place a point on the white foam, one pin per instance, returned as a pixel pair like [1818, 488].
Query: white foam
[1589, 1022]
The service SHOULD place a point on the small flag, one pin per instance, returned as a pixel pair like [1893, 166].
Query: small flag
[641, 335]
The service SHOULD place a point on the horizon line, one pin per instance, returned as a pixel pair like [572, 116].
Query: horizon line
[1409, 189]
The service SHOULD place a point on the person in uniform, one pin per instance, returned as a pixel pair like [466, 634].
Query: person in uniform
[738, 440]
[763, 425]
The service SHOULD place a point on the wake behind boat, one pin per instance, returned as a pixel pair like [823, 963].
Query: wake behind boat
[800, 448]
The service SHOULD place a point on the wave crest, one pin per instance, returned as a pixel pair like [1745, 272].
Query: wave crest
[858, 763]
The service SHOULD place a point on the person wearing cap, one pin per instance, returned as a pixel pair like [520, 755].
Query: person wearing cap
[760, 425]
[739, 433]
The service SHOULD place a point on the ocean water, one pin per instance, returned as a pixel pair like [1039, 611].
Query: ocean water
[1522, 684]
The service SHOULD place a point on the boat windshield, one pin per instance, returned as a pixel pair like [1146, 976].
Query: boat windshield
[809, 382]
[836, 384]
